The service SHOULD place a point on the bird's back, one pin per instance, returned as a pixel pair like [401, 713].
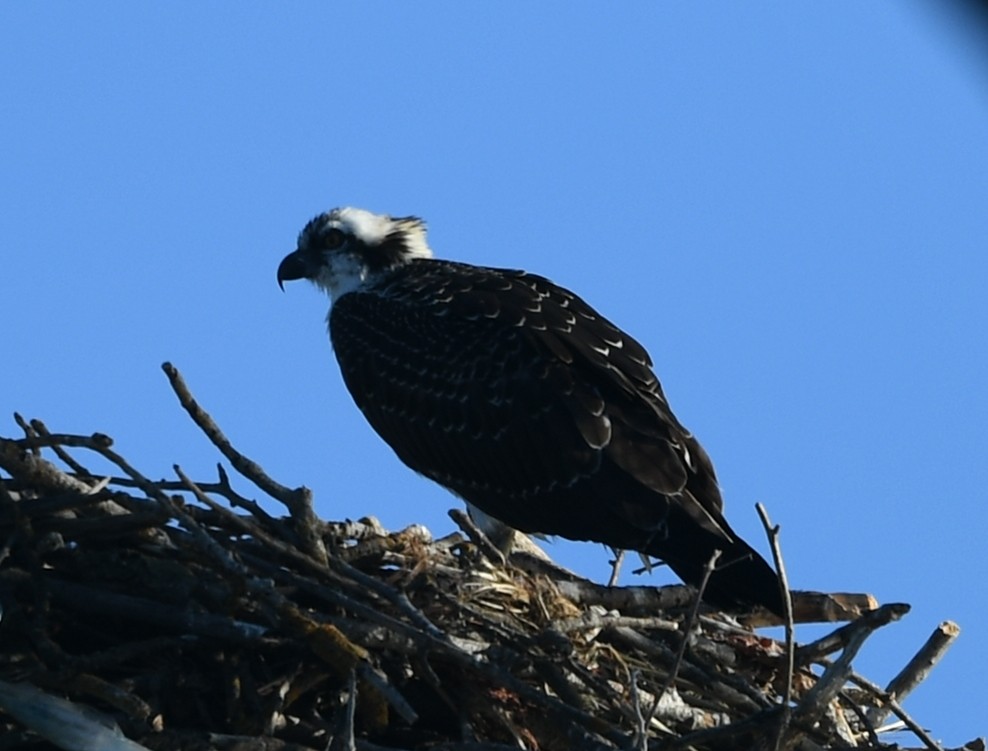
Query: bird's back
[522, 399]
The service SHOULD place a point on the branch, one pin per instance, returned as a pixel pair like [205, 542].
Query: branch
[773, 538]
[918, 668]
[815, 700]
[708, 569]
[897, 710]
[298, 501]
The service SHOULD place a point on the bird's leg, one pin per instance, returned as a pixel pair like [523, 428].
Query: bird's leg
[616, 566]
[500, 534]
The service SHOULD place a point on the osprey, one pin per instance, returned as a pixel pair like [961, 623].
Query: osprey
[516, 395]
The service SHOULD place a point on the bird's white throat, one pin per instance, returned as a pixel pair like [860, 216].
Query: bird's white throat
[343, 273]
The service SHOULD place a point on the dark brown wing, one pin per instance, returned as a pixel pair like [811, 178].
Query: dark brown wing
[518, 396]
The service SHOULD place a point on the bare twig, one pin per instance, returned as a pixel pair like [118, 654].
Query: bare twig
[89, 600]
[772, 531]
[343, 739]
[477, 537]
[895, 708]
[61, 453]
[688, 624]
[23, 424]
[629, 600]
[298, 501]
[63, 722]
[837, 639]
[919, 667]
[591, 620]
[641, 720]
[823, 692]
[616, 567]
[32, 469]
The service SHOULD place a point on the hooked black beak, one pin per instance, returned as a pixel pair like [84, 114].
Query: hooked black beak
[293, 266]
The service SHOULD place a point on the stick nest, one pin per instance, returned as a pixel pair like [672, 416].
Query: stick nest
[175, 614]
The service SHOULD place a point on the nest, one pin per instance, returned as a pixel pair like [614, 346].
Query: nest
[176, 614]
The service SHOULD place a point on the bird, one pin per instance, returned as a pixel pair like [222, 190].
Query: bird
[520, 398]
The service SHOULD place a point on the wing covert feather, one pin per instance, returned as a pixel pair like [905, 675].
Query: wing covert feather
[563, 393]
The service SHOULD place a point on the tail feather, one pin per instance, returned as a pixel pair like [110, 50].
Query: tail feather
[740, 579]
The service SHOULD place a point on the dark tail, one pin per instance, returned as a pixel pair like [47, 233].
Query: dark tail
[741, 579]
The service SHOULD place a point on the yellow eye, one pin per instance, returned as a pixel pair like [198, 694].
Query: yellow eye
[333, 239]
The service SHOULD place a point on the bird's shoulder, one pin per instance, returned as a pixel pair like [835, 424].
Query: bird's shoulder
[437, 336]
[502, 299]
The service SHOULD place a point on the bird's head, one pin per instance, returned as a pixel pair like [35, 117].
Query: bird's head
[346, 249]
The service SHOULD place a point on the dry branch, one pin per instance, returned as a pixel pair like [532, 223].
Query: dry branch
[918, 668]
[190, 617]
[298, 501]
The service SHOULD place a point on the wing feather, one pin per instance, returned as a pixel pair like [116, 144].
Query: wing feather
[568, 401]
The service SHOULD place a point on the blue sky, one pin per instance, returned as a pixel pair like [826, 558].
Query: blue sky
[786, 203]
